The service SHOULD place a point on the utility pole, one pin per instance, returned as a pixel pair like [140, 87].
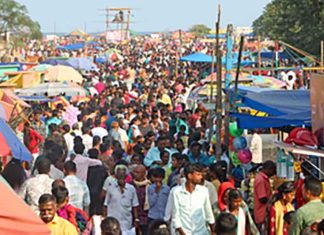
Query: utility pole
[219, 98]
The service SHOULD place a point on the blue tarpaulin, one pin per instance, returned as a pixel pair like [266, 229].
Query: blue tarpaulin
[204, 58]
[198, 57]
[82, 64]
[271, 55]
[18, 149]
[72, 47]
[54, 62]
[283, 107]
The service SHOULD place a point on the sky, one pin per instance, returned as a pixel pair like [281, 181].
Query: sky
[147, 15]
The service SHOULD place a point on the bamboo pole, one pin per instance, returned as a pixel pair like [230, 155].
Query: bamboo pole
[219, 109]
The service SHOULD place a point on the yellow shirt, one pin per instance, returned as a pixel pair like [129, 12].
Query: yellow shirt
[60, 226]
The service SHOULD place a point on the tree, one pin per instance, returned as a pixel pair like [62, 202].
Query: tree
[300, 23]
[14, 18]
[199, 30]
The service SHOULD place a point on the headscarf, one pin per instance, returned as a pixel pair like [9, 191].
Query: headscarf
[221, 191]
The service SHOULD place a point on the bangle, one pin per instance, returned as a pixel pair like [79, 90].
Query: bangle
[137, 220]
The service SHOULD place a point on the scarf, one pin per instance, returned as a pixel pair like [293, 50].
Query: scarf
[145, 183]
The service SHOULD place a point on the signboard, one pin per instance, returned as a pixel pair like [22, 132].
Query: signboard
[317, 101]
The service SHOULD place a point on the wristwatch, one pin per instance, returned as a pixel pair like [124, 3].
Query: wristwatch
[137, 220]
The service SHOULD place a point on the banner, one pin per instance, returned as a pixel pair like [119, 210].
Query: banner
[117, 36]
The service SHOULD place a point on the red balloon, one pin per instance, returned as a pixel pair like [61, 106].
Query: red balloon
[303, 137]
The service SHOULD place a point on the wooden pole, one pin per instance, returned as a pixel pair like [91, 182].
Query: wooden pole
[228, 82]
[322, 53]
[238, 70]
[212, 75]
[259, 54]
[219, 109]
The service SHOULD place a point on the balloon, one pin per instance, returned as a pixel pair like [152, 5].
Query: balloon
[235, 160]
[234, 130]
[239, 143]
[303, 137]
[213, 139]
[245, 156]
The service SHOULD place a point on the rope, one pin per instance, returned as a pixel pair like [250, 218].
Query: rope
[313, 58]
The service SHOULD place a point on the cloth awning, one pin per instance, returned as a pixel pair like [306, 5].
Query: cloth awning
[284, 108]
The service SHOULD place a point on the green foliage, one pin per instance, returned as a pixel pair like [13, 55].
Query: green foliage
[199, 30]
[300, 23]
[14, 18]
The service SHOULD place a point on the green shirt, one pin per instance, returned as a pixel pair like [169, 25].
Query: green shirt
[305, 216]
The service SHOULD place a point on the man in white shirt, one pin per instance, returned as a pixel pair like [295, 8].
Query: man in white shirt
[86, 137]
[98, 130]
[69, 138]
[256, 148]
[191, 208]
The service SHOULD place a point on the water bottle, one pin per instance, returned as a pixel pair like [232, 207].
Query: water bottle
[290, 168]
[281, 164]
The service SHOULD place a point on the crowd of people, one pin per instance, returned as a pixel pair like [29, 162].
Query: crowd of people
[139, 160]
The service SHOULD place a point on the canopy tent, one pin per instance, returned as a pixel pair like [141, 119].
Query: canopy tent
[16, 217]
[78, 33]
[11, 145]
[61, 73]
[54, 89]
[283, 107]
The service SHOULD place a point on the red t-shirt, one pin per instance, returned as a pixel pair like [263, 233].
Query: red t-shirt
[262, 189]
[34, 139]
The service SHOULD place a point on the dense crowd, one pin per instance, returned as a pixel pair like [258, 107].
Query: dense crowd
[139, 160]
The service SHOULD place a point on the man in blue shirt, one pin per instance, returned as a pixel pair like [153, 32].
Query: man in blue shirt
[196, 156]
[153, 155]
[158, 194]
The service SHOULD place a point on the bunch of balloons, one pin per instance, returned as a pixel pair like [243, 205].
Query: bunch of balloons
[238, 146]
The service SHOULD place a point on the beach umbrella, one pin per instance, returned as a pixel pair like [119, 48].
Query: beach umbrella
[82, 64]
[25, 222]
[11, 145]
[62, 73]
[54, 89]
